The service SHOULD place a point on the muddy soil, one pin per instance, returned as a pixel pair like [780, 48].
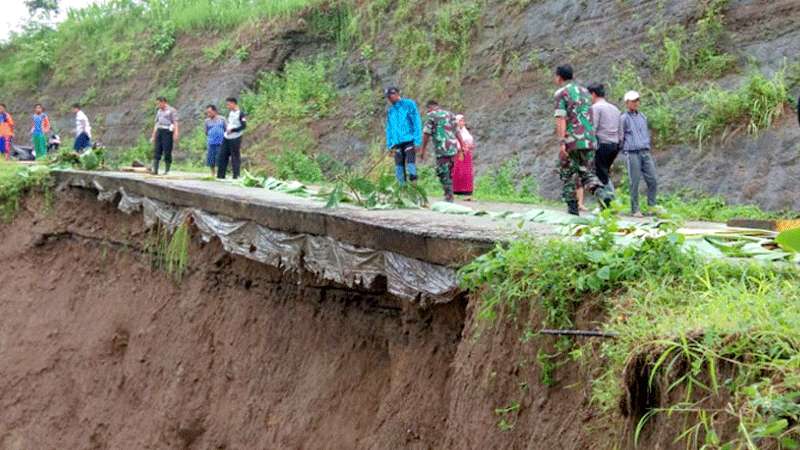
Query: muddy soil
[100, 351]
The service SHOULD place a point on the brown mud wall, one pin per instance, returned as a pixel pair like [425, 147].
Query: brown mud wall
[100, 351]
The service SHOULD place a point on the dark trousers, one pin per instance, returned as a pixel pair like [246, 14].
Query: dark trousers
[444, 169]
[163, 146]
[405, 162]
[231, 149]
[603, 159]
[82, 142]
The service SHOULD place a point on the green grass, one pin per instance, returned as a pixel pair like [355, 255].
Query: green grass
[693, 206]
[504, 184]
[109, 37]
[191, 15]
[681, 91]
[507, 184]
[169, 251]
[752, 107]
[217, 51]
[721, 337]
[726, 334]
[432, 62]
[676, 52]
[16, 181]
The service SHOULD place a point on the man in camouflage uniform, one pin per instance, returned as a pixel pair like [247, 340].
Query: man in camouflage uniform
[440, 125]
[577, 140]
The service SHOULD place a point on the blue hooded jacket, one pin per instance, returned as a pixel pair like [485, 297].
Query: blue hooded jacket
[403, 124]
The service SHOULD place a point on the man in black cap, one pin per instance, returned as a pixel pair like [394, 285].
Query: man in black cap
[403, 134]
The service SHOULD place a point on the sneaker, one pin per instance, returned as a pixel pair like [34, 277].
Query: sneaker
[605, 197]
[638, 215]
[656, 211]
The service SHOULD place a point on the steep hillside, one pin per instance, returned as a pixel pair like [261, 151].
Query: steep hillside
[717, 76]
[101, 351]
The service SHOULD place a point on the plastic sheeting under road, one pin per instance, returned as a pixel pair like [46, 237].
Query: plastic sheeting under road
[328, 258]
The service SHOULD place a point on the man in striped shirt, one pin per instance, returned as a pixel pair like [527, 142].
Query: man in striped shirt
[635, 144]
[403, 134]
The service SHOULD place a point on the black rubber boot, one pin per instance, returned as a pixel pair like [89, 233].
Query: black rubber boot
[166, 167]
[572, 208]
[155, 166]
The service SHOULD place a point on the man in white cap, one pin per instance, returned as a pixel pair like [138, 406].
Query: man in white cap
[635, 143]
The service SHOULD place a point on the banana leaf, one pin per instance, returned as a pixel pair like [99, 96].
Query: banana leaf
[789, 240]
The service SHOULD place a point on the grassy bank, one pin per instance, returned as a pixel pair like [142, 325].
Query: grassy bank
[718, 339]
[15, 181]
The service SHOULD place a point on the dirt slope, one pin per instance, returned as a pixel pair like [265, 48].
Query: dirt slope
[99, 351]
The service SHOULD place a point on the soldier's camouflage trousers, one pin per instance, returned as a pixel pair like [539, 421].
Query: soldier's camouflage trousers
[444, 169]
[578, 165]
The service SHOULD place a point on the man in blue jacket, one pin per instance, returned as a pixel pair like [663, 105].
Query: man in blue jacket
[403, 134]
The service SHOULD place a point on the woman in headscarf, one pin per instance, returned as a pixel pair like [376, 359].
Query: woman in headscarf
[462, 171]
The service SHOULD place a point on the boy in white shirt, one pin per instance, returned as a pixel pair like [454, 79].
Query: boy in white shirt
[83, 130]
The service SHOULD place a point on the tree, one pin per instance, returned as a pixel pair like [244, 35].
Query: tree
[42, 9]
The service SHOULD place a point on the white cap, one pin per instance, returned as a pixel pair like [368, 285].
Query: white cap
[631, 96]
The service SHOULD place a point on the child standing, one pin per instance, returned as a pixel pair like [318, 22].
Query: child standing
[39, 131]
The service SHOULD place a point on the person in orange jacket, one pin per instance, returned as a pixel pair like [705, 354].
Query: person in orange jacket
[6, 131]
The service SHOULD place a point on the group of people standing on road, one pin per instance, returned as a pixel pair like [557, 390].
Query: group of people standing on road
[223, 137]
[41, 129]
[591, 133]
[453, 144]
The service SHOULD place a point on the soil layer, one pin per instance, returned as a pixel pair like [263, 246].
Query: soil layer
[100, 351]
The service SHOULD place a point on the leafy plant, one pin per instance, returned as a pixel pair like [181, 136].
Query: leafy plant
[506, 423]
[242, 53]
[163, 38]
[216, 52]
[384, 193]
[789, 240]
[296, 165]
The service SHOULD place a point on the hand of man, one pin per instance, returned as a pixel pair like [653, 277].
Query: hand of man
[153, 139]
[563, 154]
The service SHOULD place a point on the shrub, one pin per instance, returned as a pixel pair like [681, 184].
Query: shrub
[218, 51]
[752, 107]
[163, 38]
[296, 165]
[301, 92]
